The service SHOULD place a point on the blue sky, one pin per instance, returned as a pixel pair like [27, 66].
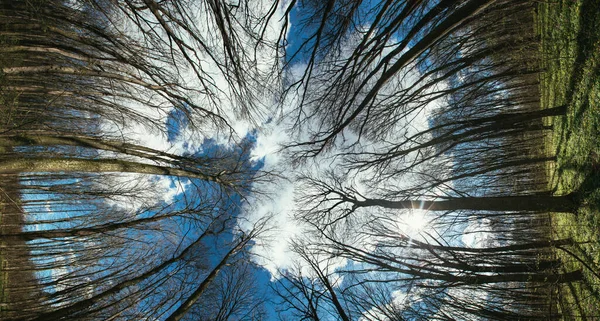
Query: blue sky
[179, 140]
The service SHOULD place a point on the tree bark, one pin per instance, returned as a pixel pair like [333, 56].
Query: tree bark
[189, 302]
[536, 245]
[552, 278]
[65, 312]
[528, 203]
[442, 29]
[55, 165]
[48, 139]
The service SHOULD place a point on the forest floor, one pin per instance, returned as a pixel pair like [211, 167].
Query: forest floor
[3, 273]
[570, 36]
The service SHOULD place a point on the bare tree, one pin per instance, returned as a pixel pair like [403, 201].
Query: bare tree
[75, 74]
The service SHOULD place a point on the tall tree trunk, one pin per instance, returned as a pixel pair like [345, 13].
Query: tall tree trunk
[545, 277]
[56, 165]
[80, 232]
[528, 203]
[53, 139]
[469, 131]
[496, 250]
[548, 278]
[443, 28]
[487, 169]
[193, 298]
[65, 312]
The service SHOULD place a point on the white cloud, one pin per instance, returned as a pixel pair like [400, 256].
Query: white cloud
[220, 100]
[277, 133]
[479, 233]
[272, 249]
[274, 122]
[139, 191]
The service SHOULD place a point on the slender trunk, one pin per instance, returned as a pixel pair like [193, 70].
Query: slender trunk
[56, 165]
[65, 312]
[442, 29]
[497, 249]
[487, 169]
[84, 231]
[491, 127]
[527, 203]
[333, 296]
[503, 269]
[46, 139]
[189, 302]
[547, 278]
[56, 69]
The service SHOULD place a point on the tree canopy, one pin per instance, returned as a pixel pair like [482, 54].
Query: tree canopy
[137, 158]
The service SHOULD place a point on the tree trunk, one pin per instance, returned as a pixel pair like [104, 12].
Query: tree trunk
[52, 139]
[65, 312]
[189, 302]
[547, 278]
[528, 203]
[443, 28]
[486, 169]
[56, 165]
[79, 232]
[536, 245]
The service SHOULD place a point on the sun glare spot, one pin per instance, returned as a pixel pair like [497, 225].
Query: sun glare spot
[414, 222]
